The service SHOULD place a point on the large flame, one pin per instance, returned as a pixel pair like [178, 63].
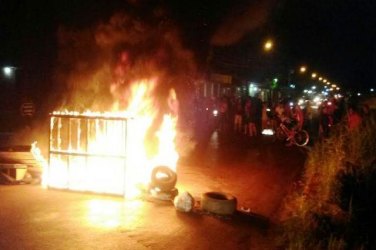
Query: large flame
[115, 157]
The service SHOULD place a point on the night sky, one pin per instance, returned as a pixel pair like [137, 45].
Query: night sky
[334, 38]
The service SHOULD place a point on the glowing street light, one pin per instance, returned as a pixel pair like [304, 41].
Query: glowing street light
[314, 75]
[303, 69]
[320, 78]
[268, 45]
[8, 71]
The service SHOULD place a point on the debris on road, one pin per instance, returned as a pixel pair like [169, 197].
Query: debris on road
[184, 202]
[163, 195]
[18, 165]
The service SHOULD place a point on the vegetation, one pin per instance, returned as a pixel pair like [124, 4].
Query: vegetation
[333, 205]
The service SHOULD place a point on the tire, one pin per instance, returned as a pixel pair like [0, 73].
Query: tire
[165, 183]
[218, 203]
[301, 138]
[280, 135]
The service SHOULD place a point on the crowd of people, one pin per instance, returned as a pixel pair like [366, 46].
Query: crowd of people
[249, 115]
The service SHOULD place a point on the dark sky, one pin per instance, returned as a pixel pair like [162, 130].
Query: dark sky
[336, 38]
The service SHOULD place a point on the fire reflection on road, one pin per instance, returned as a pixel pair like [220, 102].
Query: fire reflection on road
[109, 214]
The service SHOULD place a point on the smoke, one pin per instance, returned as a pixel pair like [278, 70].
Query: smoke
[96, 64]
[241, 21]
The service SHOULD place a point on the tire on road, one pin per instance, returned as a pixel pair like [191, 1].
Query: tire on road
[164, 178]
[218, 203]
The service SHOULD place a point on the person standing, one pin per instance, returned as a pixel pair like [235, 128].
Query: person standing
[238, 116]
[249, 119]
[354, 119]
[298, 116]
[257, 105]
[246, 115]
[325, 121]
[308, 118]
[264, 116]
[223, 114]
[279, 112]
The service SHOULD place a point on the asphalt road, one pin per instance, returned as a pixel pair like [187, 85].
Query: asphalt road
[258, 172]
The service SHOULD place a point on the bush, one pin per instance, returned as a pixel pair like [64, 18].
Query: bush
[332, 206]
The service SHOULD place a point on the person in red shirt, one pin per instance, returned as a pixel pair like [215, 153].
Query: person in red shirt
[298, 115]
[354, 119]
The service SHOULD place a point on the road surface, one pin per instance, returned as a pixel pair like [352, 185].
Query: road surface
[258, 173]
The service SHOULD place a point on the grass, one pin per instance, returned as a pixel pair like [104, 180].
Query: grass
[332, 205]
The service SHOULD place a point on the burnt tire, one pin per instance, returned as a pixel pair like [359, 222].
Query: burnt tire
[218, 203]
[163, 178]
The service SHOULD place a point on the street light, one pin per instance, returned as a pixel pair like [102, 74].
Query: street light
[8, 71]
[303, 69]
[268, 45]
[314, 75]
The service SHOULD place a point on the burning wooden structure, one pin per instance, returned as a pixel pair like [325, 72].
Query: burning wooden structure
[88, 153]
[106, 153]
[113, 152]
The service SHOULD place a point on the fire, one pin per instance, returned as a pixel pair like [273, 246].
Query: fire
[111, 152]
